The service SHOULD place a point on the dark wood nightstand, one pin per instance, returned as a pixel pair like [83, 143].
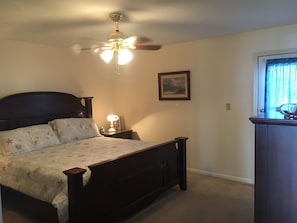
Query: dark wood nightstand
[125, 134]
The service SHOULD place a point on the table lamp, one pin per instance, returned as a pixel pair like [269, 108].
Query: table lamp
[112, 119]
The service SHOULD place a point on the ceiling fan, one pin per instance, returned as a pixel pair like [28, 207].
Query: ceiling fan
[118, 44]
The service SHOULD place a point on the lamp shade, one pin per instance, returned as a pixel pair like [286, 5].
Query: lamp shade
[112, 118]
[124, 56]
[107, 55]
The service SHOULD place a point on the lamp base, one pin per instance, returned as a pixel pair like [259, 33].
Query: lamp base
[111, 129]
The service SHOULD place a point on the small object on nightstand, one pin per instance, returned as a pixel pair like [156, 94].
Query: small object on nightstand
[101, 130]
[125, 134]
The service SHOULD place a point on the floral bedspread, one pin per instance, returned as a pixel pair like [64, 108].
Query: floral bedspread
[40, 173]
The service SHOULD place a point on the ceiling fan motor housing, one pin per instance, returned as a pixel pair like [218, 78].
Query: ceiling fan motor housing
[116, 36]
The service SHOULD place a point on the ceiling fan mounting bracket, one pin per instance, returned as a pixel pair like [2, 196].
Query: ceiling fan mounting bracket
[116, 16]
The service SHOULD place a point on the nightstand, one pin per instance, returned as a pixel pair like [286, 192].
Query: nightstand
[125, 134]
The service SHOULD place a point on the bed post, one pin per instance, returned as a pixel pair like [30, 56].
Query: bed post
[75, 195]
[88, 106]
[181, 145]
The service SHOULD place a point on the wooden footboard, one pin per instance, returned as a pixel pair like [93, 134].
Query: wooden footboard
[121, 187]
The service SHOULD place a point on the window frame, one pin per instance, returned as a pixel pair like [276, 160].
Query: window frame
[259, 75]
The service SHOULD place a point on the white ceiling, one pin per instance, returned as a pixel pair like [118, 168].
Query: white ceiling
[62, 22]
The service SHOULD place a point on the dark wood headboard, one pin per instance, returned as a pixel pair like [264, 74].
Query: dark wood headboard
[32, 108]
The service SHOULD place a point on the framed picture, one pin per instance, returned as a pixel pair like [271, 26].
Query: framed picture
[174, 85]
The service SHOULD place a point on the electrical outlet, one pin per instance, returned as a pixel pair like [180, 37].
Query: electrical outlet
[228, 106]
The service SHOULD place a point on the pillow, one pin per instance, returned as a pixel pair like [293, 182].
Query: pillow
[42, 136]
[70, 129]
[27, 139]
[14, 142]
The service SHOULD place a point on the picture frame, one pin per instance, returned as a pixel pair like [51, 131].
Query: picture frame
[174, 85]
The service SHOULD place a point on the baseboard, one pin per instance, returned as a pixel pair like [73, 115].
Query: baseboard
[223, 176]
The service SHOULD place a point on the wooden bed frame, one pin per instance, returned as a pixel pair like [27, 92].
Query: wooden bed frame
[116, 189]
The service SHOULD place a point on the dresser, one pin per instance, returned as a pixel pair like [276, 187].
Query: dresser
[275, 169]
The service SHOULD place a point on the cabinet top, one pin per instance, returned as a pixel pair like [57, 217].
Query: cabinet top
[272, 119]
[116, 132]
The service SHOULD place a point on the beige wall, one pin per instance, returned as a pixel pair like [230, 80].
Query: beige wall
[32, 67]
[220, 142]
[222, 70]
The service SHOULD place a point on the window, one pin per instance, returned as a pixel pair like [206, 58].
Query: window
[280, 83]
[276, 81]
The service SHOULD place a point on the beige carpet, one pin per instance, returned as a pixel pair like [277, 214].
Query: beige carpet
[207, 200]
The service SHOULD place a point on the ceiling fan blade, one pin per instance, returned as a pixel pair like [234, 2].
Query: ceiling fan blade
[77, 49]
[106, 46]
[147, 47]
[136, 40]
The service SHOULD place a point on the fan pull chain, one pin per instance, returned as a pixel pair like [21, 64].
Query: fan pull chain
[117, 62]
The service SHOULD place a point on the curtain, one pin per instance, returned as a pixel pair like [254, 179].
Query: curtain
[280, 83]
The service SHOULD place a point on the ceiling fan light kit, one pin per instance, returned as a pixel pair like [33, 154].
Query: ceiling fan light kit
[106, 55]
[118, 45]
[124, 56]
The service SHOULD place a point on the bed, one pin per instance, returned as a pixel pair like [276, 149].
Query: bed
[116, 187]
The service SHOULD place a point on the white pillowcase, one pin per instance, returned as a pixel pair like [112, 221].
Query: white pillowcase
[27, 139]
[42, 136]
[70, 129]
